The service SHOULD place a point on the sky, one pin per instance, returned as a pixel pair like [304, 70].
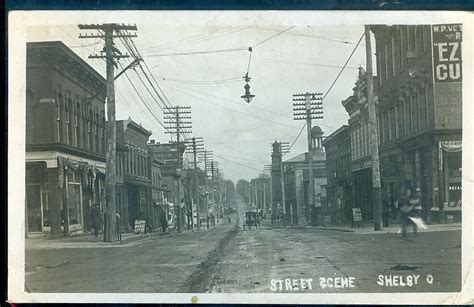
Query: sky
[284, 61]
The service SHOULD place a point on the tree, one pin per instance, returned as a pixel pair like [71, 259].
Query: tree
[243, 189]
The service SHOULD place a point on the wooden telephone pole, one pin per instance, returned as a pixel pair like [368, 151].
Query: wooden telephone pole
[178, 122]
[110, 53]
[197, 147]
[207, 155]
[308, 106]
[374, 141]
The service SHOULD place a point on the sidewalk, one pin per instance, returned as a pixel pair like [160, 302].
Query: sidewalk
[367, 228]
[86, 240]
[394, 229]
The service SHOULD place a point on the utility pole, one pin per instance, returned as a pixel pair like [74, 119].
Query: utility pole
[214, 167]
[308, 106]
[179, 122]
[207, 155]
[197, 146]
[108, 32]
[284, 148]
[374, 141]
[219, 195]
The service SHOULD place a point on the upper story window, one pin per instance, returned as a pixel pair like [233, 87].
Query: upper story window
[411, 38]
[102, 132]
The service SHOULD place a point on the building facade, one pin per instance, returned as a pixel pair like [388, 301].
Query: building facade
[170, 174]
[420, 114]
[360, 158]
[65, 140]
[296, 180]
[137, 188]
[339, 191]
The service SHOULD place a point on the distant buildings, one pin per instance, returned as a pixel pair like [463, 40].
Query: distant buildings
[260, 192]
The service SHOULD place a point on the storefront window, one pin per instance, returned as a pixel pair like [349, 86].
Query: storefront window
[453, 162]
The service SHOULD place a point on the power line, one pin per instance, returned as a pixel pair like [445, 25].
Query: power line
[248, 114]
[202, 37]
[266, 40]
[232, 101]
[143, 100]
[197, 52]
[87, 45]
[311, 36]
[237, 162]
[228, 80]
[332, 84]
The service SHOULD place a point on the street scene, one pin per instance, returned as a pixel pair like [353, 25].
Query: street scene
[243, 159]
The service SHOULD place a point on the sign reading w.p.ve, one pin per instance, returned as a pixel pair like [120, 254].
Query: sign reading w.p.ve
[447, 60]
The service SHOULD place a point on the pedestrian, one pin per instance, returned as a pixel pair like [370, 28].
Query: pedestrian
[386, 209]
[228, 219]
[163, 221]
[119, 230]
[96, 219]
[406, 204]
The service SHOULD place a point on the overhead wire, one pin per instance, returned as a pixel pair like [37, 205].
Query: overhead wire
[312, 36]
[197, 52]
[332, 84]
[234, 110]
[202, 37]
[266, 40]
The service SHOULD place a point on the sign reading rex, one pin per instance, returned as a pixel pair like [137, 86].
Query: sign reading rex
[447, 61]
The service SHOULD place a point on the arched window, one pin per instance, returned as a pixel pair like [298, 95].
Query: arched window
[77, 122]
[68, 121]
[102, 133]
[59, 106]
[89, 131]
[96, 132]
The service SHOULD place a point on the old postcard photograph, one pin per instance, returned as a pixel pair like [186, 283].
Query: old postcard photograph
[240, 157]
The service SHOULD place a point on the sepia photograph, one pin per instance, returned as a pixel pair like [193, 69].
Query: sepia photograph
[240, 157]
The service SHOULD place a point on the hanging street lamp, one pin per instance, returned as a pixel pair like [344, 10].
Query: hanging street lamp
[247, 96]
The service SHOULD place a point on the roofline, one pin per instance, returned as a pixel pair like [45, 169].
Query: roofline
[72, 54]
[332, 135]
[136, 125]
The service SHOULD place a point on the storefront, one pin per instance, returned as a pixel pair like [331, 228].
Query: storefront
[451, 164]
[59, 195]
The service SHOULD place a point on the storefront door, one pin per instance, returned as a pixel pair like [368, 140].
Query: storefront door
[34, 208]
[75, 207]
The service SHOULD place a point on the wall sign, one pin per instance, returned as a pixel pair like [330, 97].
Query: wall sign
[447, 60]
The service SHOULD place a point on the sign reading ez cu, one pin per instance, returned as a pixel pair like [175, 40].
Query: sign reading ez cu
[447, 61]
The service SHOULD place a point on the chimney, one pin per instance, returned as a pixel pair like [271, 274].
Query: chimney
[152, 141]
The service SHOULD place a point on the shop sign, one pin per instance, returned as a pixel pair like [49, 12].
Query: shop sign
[140, 226]
[455, 188]
[447, 60]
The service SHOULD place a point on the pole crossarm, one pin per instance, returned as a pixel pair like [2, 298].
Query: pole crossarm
[132, 64]
[120, 56]
[107, 26]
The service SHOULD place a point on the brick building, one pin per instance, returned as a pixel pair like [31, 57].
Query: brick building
[420, 113]
[136, 192]
[360, 153]
[339, 193]
[65, 140]
[170, 174]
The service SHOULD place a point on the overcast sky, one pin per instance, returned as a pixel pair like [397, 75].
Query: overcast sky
[299, 60]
